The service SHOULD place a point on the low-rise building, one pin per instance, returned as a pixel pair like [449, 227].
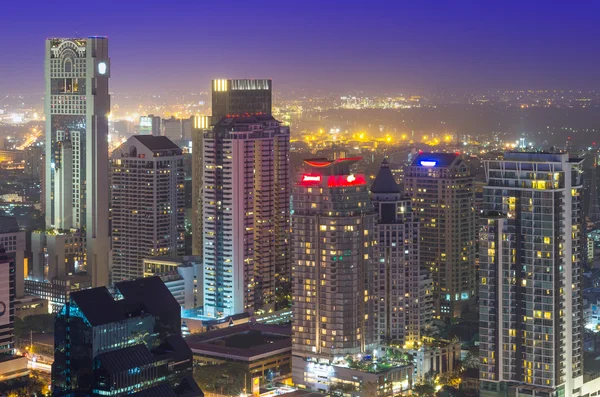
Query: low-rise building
[182, 276]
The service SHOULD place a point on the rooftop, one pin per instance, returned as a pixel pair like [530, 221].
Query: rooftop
[385, 181]
[244, 340]
[8, 224]
[156, 143]
[434, 159]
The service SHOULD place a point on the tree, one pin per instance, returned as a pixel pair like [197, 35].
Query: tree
[424, 390]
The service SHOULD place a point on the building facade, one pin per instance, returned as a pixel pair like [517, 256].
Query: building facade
[150, 125]
[147, 203]
[77, 103]
[442, 192]
[182, 276]
[7, 303]
[245, 210]
[405, 289]
[531, 326]
[14, 242]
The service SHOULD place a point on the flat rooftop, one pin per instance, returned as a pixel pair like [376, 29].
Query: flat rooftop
[245, 341]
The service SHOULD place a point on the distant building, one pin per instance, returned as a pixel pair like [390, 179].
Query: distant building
[405, 288]
[182, 276]
[245, 212]
[178, 130]
[147, 203]
[127, 344]
[14, 242]
[34, 162]
[443, 196]
[150, 125]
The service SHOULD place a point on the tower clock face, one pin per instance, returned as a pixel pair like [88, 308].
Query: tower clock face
[102, 68]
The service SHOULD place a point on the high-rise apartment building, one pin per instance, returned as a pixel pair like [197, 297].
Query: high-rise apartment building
[531, 327]
[442, 192]
[147, 203]
[236, 97]
[34, 162]
[127, 344]
[77, 104]
[230, 97]
[405, 288]
[334, 267]
[245, 212]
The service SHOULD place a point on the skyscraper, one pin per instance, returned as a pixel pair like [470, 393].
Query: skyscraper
[442, 192]
[231, 97]
[13, 240]
[120, 345]
[245, 212]
[77, 104]
[405, 288]
[147, 201]
[531, 326]
[334, 266]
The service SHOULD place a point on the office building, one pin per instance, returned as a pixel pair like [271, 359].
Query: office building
[57, 290]
[531, 327]
[442, 192]
[150, 125]
[7, 304]
[245, 212]
[147, 204]
[77, 103]
[335, 284]
[182, 276]
[405, 289]
[237, 97]
[124, 344]
[12, 239]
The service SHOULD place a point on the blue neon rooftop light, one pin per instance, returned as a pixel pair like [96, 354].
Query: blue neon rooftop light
[428, 163]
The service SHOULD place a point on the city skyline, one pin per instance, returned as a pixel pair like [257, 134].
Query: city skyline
[379, 46]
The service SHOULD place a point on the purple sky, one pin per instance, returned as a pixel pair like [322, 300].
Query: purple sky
[379, 46]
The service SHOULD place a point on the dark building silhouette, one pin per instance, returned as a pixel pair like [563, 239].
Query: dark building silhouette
[126, 344]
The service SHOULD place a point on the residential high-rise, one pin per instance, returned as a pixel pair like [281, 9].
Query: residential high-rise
[230, 97]
[405, 288]
[236, 97]
[334, 267]
[442, 192]
[147, 204]
[34, 162]
[178, 130]
[245, 212]
[531, 327]
[7, 303]
[77, 104]
[120, 345]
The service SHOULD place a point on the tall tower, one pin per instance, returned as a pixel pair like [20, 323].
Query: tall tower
[405, 289]
[77, 103]
[443, 196]
[334, 265]
[594, 205]
[230, 97]
[530, 318]
[245, 210]
[147, 201]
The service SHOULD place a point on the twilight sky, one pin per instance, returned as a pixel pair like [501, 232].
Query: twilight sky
[375, 45]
